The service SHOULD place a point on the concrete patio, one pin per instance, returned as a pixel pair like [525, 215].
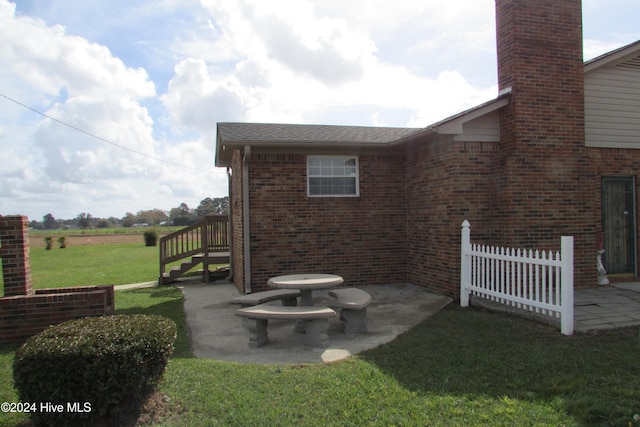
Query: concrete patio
[605, 307]
[217, 333]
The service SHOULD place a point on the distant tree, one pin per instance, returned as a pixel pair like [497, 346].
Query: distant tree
[36, 225]
[128, 220]
[84, 220]
[182, 215]
[219, 205]
[151, 217]
[49, 222]
[103, 223]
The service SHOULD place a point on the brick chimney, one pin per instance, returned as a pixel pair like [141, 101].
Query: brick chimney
[544, 187]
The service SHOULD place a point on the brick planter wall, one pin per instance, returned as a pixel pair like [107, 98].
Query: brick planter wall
[16, 262]
[25, 312]
[22, 316]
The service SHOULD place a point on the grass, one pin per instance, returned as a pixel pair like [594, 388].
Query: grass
[90, 265]
[460, 367]
[95, 265]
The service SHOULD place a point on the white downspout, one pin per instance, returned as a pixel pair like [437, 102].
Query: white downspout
[246, 230]
[230, 276]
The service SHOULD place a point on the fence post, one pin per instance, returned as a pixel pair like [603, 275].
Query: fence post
[465, 263]
[566, 320]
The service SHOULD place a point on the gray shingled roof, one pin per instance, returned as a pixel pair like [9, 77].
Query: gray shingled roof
[231, 135]
[240, 133]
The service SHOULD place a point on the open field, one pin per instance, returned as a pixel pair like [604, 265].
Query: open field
[87, 239]
[100, 236]
[93, 264]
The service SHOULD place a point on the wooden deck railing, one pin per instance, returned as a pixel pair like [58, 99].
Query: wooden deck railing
[210, 234]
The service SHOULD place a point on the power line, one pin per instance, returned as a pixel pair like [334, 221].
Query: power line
[77, 129]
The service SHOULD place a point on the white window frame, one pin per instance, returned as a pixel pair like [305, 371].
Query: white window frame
[330, 171]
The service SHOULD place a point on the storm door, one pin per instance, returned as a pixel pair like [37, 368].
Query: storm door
[618, 222]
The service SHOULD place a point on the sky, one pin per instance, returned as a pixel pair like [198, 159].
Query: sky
[109, 107]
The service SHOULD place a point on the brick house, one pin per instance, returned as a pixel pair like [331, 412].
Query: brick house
[556, 153]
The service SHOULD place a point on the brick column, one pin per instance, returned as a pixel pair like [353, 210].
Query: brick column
[16, 262]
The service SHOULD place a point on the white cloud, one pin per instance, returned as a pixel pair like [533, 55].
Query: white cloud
[82, 84]
[310, 60]
[195, 99]
[156, 76]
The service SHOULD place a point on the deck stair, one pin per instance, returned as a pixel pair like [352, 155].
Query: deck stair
[206, 243]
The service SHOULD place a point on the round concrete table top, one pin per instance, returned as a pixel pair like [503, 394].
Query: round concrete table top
[306, 281]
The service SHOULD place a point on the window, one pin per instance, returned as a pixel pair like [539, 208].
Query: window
[332, 176]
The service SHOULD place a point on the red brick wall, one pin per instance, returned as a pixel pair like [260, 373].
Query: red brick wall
[237, 253]
[360, 238]
[538, 183]
[615, 162]
[24, 312]
[14, 250]
[22, 316]
[544, 184]
[447, 182]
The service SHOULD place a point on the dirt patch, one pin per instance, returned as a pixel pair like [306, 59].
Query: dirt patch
[90, 239]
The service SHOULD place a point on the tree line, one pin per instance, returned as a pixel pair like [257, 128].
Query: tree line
[181, 215]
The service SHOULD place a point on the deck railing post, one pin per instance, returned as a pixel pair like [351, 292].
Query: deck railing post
[566, 320]
[162, 264]
[465, 264]
[205, 248]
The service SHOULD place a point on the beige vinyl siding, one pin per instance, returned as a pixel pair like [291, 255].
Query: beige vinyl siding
[612, 106]
[482, 129]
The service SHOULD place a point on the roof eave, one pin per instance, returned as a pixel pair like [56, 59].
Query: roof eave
[225, 160]
[453, 125]
[613, 57]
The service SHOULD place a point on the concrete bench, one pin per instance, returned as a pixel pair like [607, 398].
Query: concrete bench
[288, 297]
[314, 319]
[352, 303]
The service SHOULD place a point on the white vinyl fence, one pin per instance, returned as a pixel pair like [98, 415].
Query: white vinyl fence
[538, 281]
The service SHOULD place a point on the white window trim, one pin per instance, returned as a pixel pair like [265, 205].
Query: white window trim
[356, 176]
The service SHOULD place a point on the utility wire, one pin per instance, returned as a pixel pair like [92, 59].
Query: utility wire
[99, 137]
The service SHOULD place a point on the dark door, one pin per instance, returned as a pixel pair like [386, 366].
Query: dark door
[618, 223]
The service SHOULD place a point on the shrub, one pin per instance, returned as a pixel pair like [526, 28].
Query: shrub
[62, 241]
[48, 241]
[150, 238]
[106, 365]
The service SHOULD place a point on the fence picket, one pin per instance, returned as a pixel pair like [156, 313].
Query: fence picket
[538, 281]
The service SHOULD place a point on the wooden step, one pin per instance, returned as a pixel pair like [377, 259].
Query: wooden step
[177, 271]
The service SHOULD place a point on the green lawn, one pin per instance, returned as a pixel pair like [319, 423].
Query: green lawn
[460, 367]
[90, 265]
[94, 265]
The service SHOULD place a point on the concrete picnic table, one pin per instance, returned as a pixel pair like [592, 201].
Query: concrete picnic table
[306, 283]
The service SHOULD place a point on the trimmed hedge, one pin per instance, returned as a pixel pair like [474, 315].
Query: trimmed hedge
[106, 366]
[151, 237]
